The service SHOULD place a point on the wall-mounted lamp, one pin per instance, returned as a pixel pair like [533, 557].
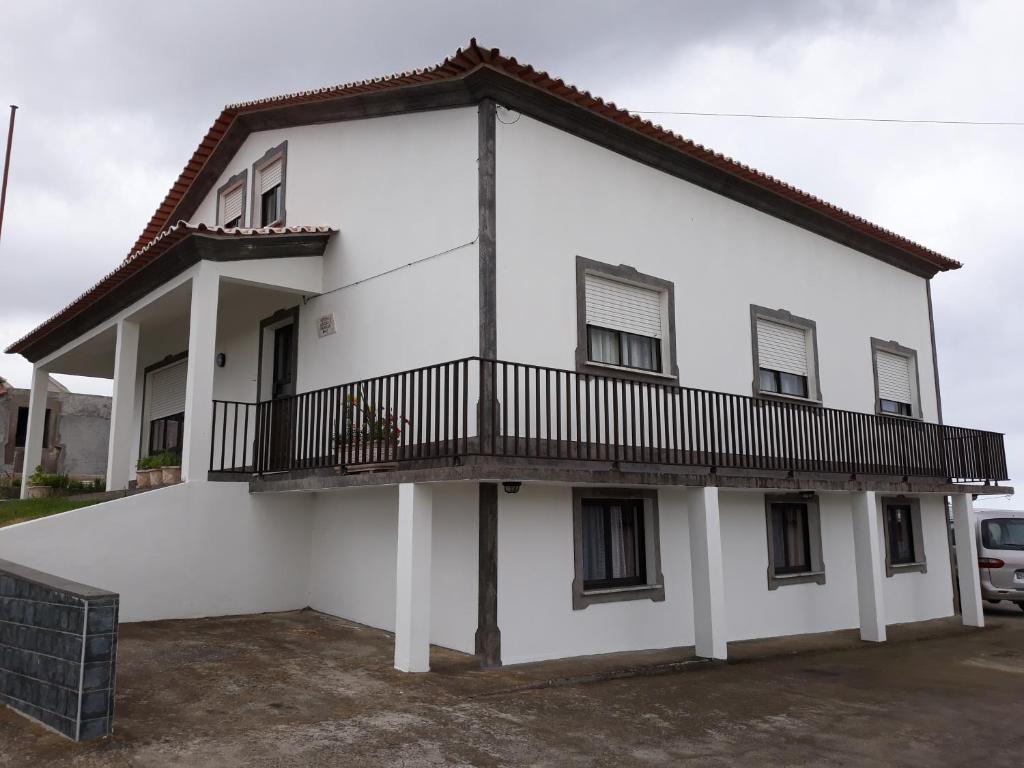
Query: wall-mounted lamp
[807, 495]
[511, 486]
[221, 359]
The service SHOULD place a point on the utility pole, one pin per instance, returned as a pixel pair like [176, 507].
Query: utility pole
[7, 166]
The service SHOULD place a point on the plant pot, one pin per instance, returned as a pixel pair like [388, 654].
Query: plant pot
[170, 475]
[372, 456]
[142, 478]
[40, 491]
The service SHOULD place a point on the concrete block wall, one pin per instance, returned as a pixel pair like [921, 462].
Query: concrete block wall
[58, 647]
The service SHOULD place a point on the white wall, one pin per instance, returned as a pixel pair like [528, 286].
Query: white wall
[535, 573]
[919, 596]
[353, 559]
[559, 197]
[398, 189]
[190, 550]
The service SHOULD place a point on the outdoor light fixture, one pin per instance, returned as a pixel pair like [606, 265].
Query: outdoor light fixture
[221, 359]
[511, 486]
[806, 494]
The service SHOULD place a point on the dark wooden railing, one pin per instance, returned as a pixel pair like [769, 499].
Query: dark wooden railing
[548, 413]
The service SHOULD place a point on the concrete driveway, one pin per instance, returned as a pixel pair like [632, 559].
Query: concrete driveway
[303, 689]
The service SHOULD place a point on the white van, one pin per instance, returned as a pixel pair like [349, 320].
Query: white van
[1001, 555]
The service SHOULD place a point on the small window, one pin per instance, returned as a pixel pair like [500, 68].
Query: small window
[624, 321]
[785, 355]
[616, 542]
[896, 390]
[794, 541]
[904, 545]
[231, 202]
[21, 432]
[166, 434]
[269, 187]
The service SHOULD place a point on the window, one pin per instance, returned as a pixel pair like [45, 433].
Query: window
[616, 543]
[269, 187]
[231, 202]
[1006, 533]
[896, 384]
[165, 434]
[904, 544]
[794, 540]
[624, 320]
[785, 355]
[21, 431]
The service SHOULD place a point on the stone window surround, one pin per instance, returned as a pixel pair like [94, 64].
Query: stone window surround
[817, 573]
[627, 274]
[655, 588]
[281, 150]
[894, 348]
[239, 179]
[920, 564]
[787, 318]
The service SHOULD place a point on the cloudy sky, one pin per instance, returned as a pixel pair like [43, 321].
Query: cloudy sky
[115, 96]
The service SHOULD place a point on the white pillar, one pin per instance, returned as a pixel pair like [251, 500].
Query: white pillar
[36, 423]
[122, 407]
[202, 349]
[867, 547]
[971, 611]
[412, 598]
[707, 573]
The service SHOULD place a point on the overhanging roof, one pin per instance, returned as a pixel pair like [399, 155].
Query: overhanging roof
[168, 254]
[475, 73]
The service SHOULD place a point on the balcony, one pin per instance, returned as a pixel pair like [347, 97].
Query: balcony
[513, 414]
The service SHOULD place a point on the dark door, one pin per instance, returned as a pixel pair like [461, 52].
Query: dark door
[282, 405]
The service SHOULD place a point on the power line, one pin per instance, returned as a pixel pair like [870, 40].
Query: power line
[829, 118]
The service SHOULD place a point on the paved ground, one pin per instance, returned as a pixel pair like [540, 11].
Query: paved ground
[304, 689]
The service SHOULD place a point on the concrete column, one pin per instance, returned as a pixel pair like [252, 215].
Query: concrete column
[967, 561]
[412, 598]
[122, 408]
[36, 424]
[707, 573]
[867, 546]
[202, 349]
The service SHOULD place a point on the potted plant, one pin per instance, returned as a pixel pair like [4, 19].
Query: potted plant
[147, 473]
[368, 435]
[170, 468]
[40, 484]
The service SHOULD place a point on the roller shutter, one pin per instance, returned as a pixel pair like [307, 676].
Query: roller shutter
[231, 205]
[270, 176]
[781, 347]
[623, 307]
[893, 377]
[167, 390]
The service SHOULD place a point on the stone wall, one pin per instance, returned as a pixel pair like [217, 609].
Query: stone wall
[58, 643]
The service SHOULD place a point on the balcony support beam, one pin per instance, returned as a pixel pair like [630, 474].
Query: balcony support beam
[202, 349]
[707, 573]
[412, 597]
[33, 455]
[122, 407]
[971, 612]
[867, 545]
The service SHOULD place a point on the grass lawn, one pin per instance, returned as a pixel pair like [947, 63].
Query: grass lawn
[19, 511]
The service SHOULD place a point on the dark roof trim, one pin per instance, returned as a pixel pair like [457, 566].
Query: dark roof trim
[174, 251]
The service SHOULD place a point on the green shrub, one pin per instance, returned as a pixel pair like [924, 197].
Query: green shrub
[169, 459]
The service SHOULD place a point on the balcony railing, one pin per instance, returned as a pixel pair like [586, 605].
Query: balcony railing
[534, 412]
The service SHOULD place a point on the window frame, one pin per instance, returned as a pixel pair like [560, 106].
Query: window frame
[240, 179]
[176, 417]
[145, 421]
[895, 348]
[256, 213]
[920, 564]
[810, 328]
[653, 587]
[625, 274]
[816, 573]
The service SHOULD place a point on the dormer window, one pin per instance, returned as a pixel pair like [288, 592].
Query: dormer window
[269, 187]
[231, 202]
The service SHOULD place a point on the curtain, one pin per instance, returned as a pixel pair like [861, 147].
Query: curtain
[640, 352]
[604, 346]
[593, 544]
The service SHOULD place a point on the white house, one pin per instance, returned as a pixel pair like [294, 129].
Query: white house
[618, 391]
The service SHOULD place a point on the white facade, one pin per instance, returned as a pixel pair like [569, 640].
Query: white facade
[401, 278]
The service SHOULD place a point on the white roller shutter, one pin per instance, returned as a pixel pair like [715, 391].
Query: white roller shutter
[231, 205]
[893, 377]
[623, 307]
[781, 347]
[270, 176]
[167, 390]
